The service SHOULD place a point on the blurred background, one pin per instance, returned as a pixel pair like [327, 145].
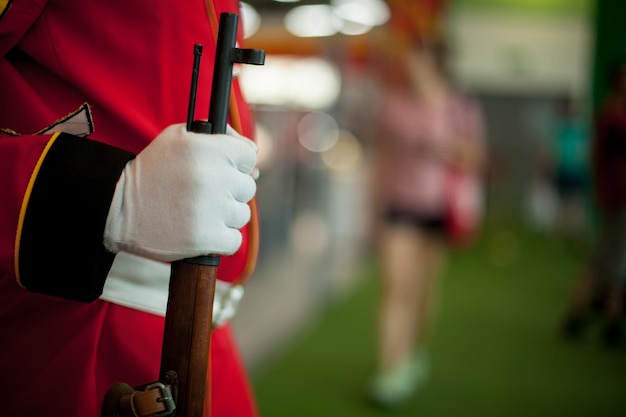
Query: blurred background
[306, 324]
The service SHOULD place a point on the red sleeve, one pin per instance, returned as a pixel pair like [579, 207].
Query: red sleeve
[57, 192]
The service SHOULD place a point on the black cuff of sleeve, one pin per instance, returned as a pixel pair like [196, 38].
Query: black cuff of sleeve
[61, 250]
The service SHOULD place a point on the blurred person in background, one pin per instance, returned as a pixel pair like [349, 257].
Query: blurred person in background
[569, 157]
[427, 132]
[601, 285]
[556, 199]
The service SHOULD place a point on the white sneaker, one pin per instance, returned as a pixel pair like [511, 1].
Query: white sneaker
[396, 386]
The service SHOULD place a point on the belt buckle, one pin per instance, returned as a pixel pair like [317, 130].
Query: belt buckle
[166, 399]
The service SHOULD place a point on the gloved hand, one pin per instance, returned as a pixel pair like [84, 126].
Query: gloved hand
[184, 195]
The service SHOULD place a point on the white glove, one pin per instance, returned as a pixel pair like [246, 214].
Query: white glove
[184, 195]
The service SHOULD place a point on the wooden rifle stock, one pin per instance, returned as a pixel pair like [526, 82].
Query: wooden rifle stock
[186, 339]
[188, 320]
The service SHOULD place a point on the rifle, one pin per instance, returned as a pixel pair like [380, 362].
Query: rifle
[183, 377]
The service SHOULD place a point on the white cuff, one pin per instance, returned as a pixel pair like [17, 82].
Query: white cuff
[143, 284]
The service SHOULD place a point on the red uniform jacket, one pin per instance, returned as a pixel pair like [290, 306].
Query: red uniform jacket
[123, 70]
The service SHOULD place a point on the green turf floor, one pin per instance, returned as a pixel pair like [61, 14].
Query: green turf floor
[496, 351]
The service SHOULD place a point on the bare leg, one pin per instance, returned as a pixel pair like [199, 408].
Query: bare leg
[410, 260]
[430, 296]
[404, 280]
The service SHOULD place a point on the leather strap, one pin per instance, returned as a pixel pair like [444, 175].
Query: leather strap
[124, 401]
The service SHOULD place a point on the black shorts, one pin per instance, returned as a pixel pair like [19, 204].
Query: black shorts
[569, 184]
[429, 223]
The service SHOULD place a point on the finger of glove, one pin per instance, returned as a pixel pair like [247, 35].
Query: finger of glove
[212, 239]
[217, 178]
[232, 132]
[237, 215]
[242, 187]
[226, 242]
[241, 151]
[214, 154]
